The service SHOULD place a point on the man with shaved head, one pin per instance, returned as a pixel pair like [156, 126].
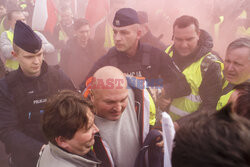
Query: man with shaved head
[122, 107]
[110, 85]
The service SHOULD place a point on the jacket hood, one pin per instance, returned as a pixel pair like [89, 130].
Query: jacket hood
[205, 44]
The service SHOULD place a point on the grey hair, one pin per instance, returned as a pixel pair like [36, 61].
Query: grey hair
[239, 43]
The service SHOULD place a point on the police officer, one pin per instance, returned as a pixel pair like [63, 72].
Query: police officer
[7, 41]
[147, 36]
[141, 60]
[23, 93]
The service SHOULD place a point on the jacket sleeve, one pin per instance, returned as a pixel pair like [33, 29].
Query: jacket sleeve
[65, 81]
[46, 45]
[10, 134]
[174, 82]
[211, 87]
[5, 46]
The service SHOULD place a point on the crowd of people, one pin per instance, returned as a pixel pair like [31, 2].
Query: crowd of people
[69, 100]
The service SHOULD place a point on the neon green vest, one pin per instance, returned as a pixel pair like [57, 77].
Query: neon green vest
[243, 31]
[217, 28]
[2, 29]
[224, 98]
[22, 4]
[109, 41]
[62, 35]
[188, 104]
[9, 63]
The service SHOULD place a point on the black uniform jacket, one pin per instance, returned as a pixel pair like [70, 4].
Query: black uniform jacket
[149, 62]
[22, 100]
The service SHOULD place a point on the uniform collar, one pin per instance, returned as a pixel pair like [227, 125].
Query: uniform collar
[44, 69]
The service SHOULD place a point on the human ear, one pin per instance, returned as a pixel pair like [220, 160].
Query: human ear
[61, 142]
[14, 54]
[91, 93]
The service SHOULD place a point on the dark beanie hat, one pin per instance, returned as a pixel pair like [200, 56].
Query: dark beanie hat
[125, 17]
[26, 38]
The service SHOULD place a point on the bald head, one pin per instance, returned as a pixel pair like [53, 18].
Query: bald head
[109, 93]
[109, 77]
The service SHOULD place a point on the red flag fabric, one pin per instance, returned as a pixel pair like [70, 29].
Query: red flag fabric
[96, 11]
[52, 17]
[44, 16]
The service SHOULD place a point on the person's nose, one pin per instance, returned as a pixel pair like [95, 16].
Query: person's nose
[117, 36]
[36, 60]
[85, 35]
[118, 107]
[184, 44]
[229, 67]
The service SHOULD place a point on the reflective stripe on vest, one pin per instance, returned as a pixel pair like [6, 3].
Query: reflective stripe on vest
[10, 63]
[146, 113]
[177, 111]
[109, 41]
[2, 29]
[188, 104]
[152, 109]
[224, 98]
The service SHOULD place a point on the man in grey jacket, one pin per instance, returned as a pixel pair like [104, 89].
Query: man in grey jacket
[6, 41]
[68, 123]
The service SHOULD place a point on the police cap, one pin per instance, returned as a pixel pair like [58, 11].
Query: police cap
[125, 17]
[26, 38]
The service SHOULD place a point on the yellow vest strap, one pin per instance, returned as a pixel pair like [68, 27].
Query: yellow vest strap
[10, 36]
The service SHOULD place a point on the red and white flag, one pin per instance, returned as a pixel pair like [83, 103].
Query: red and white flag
[44, 16]
[96, 11]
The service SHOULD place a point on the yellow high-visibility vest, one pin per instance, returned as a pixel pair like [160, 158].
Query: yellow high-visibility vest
[243, 31]
[22, 4]
[184, 105]
[2, 29]
[224, 98]
[9, 63]
[62, 35]
[109, 41]
[217, 27]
